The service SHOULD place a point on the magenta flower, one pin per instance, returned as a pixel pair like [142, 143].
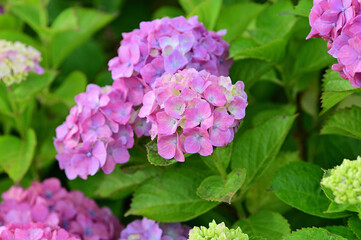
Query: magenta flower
[165, 46]
[221, 132]
[197, 141]
[193, 111]
[328, 17]
[169, 146]
[199, 114]
[55, 207]
[100, 121]
[123, 65]
[338, 21]
[88, 159]
[34, 231]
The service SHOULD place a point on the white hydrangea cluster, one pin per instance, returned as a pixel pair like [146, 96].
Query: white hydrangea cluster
[16, 61]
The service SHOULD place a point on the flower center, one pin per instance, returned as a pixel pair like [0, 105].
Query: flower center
[89, 154]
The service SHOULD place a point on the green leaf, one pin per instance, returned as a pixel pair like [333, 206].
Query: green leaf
[298, 185]
[342, 231]
[215, 188]
[241, 13]
[188, 5]
[335, 89]
[274, 22]
[10, 22]
[74, 84]
[312, 56]
[255, 154]
[207, 12]
[334, 207]
[167, 11]
[219, 159]
[266, 224]
[329, 150]
[33, 85]
[259, 197]
[344, 122]
[272, 51]
[154, 158]
[66, 20]
[250, 70]
[89, 21]
[303, 8]
[12, 35]
[16, 154]
[122, 181]
[354, 223]
[314, 234]
[171, 197]
[4, 101]
[32, 14]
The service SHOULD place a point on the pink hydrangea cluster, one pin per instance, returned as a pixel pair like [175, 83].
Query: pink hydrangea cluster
[193, 111]
[51, 204]
[167, 45]
[338, 22]
[149, 229]
[98, 132]
[34, 231]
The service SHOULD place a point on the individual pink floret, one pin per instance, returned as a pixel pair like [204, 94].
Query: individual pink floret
[98, 132]
[193, 111]
[34, 231]
[54, 206]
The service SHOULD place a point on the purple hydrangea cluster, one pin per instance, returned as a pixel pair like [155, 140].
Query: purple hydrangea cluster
[339, 22]
[167, 45]
[34, 231]
[149, 229]
[193, 111]
[98, 132]
[51, 204]
[17, 60]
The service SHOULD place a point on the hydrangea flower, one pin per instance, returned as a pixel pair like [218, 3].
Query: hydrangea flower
[338, 22]
[344, 181]
[193, 111]
[17, 60]
[328, 17]
[49, 203]
[216, 232]
[166, 45]
[151, 230]
[98, 132]
[34, 231]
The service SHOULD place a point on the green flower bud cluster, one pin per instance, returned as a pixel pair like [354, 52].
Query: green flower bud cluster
[345, 182]
[16, 61]
[216, 232]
